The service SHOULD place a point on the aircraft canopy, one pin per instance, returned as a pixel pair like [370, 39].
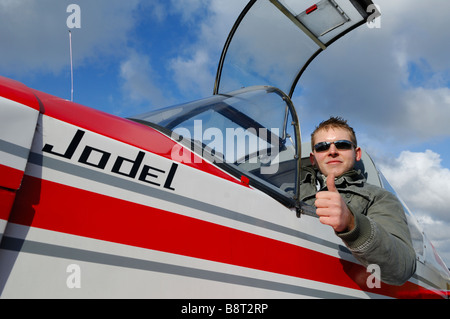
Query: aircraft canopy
[273, 41]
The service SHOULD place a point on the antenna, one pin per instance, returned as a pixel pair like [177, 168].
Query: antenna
[71, 66]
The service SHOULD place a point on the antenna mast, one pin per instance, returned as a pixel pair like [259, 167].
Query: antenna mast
[71, 66]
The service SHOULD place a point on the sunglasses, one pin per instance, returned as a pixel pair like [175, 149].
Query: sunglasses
[340, 145]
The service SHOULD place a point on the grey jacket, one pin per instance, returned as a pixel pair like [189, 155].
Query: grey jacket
[381, 234]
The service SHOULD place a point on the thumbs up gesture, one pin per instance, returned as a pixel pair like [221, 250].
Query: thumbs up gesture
[332, 209]
[331, 185]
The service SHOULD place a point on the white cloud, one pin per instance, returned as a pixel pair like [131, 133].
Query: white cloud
[37, 39]
[422, 182]
[189, 10]
[139, 80]
[193, 73]
[157, 10]
[427, 112]
[420, 26]
[195, 67]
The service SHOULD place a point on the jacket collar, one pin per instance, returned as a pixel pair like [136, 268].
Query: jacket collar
[315, 177]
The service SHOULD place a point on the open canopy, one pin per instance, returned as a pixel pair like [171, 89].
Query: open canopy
[273, 41]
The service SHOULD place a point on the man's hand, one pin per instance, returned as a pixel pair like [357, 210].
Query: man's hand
[332, 209]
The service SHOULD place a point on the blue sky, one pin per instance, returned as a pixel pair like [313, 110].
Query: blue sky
[391, 82]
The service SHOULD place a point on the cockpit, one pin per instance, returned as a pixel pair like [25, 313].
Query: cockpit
[252, 133]
[249, 126]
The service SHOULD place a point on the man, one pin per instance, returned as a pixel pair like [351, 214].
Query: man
[369, 220]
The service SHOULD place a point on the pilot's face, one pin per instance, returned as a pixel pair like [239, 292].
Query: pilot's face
[334, 160]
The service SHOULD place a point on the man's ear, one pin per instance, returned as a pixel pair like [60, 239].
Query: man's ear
[358, 153]
[312, 159]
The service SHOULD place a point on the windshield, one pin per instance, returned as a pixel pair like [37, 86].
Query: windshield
[251, 132]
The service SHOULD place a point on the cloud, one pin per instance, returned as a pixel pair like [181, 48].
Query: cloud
[140, 80]
[189, 71]
[157, 10]
[426, 112]
[195, 67]
[37, 39]
[192, 68]
[189, 10]
[392, 81]
[193, 73]
[422, 182]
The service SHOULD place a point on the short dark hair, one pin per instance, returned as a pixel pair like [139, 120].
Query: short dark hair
[334, 122]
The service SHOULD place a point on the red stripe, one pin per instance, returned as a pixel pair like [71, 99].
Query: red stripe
[68, 210]
[10, 177]
[18, 92]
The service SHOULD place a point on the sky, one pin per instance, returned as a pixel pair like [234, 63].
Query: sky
[391, 81]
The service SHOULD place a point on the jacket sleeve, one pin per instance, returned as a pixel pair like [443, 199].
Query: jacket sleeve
[381, 236]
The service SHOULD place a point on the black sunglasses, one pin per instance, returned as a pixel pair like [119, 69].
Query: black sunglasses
[340, 145]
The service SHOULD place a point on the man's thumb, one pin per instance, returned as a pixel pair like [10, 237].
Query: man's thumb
[331, 184]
